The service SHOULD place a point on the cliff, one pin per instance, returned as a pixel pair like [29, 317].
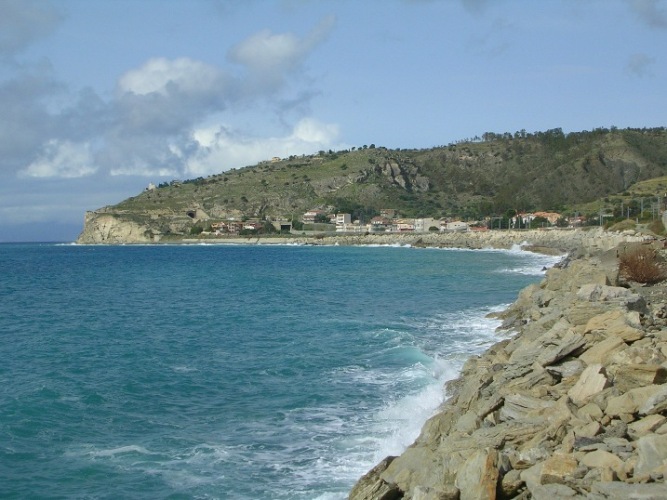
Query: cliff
[573, 405]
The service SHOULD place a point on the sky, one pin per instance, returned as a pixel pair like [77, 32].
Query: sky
[99, 98]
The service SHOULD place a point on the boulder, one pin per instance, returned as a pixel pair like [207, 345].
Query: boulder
[371, 485]
[557, 468]
[617, 323]
[645, 426]
[652, 452]
[615, 295]
[478, 478]
[656, 402]
[623, 491]
[634, 399]
[523, 407]
[592, 380]
[631, 376]
[602, 459]
[450, 492]
[601, 351]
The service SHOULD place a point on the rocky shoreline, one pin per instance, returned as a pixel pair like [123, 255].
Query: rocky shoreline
[573, 405]
[556, 241]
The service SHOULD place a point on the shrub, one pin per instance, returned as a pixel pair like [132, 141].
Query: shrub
[657, 227]
[623, 225]
[642, 265]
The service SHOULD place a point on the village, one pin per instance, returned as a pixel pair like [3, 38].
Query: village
[318, 221]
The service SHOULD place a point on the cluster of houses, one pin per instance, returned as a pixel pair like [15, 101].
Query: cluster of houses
[389, 221]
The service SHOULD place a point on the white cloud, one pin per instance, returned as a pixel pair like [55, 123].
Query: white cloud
[62, 159]
[164, 118]
[221, 149]
[271, 57]
[310, 131]
[165, 76]
[265, 51]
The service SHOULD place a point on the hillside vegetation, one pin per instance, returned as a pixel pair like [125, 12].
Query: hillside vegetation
[471, 179]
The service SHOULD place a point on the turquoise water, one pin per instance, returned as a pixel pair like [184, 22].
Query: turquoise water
[249, 372]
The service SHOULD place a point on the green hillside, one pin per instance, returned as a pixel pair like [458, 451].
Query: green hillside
[470, 179]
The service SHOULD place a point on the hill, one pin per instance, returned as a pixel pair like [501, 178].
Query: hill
[471, 179]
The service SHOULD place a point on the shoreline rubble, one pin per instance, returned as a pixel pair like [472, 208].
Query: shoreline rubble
[573, 405]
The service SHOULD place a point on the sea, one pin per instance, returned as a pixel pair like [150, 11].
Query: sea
[231, 371]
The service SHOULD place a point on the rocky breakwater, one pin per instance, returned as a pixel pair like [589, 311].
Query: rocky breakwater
[573, 405]
[551, 241]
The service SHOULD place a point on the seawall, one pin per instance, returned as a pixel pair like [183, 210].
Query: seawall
[574, 404]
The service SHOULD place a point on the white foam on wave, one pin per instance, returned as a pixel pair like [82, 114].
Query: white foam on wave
[448, 340]
[532, 265]
[184, 369]
[121, 450]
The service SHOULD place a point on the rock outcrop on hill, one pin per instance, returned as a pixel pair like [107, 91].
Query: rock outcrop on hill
[573, 405]
[101, 228]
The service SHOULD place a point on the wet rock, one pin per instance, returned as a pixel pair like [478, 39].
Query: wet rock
[373, 486]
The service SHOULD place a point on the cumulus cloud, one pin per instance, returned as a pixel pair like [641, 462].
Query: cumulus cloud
[25, 120]
[23, 21]
[220, 148]
[651, 12]
[270, 57]
[62, 159]
[169, 95]
[164, 118]
[640, 65]
[165, 76]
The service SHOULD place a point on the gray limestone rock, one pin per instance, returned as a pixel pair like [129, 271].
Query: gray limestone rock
[655, 402]
[652, 451]
[623, 491]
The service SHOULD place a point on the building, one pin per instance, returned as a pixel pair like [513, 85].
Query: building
[310, 216]
[380, 224]
[424, 225]
[455, 225]
[343, 219]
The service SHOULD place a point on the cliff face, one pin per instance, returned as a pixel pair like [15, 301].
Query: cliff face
[575, 405]
[101, 228]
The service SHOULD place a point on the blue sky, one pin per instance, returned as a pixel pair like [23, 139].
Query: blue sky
[100, 97]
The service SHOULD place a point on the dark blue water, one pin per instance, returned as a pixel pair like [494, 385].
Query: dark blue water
[243, 372]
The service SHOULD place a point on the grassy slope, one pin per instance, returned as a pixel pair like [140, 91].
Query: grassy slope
[547, 171]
